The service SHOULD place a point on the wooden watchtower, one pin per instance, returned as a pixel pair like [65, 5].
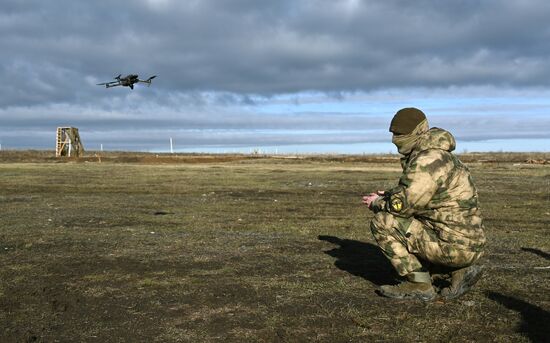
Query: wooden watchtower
[67, 142]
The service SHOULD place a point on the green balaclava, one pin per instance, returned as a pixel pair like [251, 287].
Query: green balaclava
[407, 126]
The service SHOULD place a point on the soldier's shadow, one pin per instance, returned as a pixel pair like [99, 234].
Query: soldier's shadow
[535, 319]
[361, 259]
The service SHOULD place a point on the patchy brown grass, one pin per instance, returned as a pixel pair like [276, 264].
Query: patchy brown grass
[41, 156]
[248, 248]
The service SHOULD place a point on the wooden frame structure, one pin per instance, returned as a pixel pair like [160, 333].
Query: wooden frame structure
[68, 143]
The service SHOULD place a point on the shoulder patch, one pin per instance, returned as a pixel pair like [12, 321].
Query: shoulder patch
[396, 204]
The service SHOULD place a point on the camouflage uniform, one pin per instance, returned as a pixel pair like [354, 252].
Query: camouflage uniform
[433, 214]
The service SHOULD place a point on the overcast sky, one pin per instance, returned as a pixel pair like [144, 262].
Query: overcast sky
[285, 75]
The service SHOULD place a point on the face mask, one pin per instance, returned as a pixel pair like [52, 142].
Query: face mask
[406, 143]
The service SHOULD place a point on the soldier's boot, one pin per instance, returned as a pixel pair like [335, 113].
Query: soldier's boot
[417, 286]
[462, 280]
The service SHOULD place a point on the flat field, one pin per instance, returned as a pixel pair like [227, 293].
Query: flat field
[249, 249]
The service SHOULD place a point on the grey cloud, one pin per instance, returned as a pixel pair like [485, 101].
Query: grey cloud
[219, 61]
[187, 119]
[280, 47]
[195, 127]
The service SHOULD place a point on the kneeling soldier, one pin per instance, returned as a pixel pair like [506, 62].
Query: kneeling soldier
[429, 222]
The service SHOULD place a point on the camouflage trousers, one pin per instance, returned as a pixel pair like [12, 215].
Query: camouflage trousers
[406, 242]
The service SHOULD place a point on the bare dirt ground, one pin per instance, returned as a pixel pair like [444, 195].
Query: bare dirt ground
[235, 248]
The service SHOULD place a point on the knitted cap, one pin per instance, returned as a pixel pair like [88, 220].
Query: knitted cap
[406, 120]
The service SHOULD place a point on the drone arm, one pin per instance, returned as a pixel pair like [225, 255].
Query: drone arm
[148, 80]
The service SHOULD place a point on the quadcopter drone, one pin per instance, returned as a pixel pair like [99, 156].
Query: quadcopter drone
[127, 81]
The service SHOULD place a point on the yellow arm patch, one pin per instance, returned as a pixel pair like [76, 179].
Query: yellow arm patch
[396, 204]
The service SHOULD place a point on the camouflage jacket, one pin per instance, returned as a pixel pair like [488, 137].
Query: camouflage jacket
[437, 189]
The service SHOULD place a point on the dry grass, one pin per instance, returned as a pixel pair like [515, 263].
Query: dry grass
[249, 248]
